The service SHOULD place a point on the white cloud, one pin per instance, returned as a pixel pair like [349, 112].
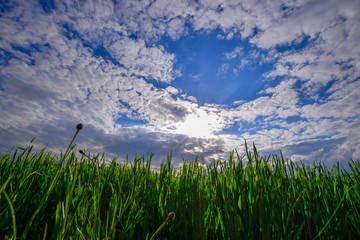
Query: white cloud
[172, 90]
[150, 62]
[329, 55]
[192, 99]
[176, 28]
[356, 154]
[237, 52]
[224, 68]
[348, 107]
[308, 19]
[67, 81]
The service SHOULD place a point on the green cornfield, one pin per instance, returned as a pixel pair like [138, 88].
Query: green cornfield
[47, 196]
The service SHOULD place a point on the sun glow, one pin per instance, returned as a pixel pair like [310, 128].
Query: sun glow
[200, 124]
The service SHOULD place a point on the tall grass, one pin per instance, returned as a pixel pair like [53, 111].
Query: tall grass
[43, 196]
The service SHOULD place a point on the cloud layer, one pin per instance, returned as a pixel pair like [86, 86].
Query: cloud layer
[100, 62]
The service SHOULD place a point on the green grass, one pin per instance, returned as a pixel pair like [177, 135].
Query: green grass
[43, 196]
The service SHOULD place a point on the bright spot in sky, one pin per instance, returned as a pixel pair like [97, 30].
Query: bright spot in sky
[199, 124]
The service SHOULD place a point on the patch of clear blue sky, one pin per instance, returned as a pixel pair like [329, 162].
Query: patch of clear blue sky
[200, 58]
[47, 5]
[100, 51]
[5, 56]
[125, 121]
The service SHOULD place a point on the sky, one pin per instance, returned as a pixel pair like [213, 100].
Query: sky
[198, 78]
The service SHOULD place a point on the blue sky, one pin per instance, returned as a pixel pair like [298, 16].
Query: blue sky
[195, 77]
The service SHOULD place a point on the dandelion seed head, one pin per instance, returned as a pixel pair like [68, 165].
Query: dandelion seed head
[79, 126]
[171, 216]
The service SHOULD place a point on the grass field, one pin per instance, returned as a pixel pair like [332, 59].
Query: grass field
[46, 196]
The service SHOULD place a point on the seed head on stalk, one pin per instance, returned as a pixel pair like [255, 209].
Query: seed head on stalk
[84, 154]
[171, 216]
[78, 128]
[51, 187]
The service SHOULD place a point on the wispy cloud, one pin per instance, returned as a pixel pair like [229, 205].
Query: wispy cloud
[238, 51]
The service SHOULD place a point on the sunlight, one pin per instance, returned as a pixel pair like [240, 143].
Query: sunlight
[200, 124]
